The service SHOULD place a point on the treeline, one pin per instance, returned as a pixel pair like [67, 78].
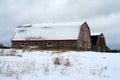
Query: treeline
[4, 47]
[115, 50]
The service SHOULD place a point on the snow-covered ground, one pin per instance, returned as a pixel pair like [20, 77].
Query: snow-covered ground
[57, 65]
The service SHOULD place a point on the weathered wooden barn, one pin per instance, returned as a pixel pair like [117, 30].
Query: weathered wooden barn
[75, 35]
[53, 35]
[98, 43]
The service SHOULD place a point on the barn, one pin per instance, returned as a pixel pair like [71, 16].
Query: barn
[74, 35]
[98, 42]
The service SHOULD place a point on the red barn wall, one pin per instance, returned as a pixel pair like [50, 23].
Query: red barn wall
[46, 44]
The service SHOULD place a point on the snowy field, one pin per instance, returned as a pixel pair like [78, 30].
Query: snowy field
[57, 65]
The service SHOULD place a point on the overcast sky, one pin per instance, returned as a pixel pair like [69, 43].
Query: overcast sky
[101, 16]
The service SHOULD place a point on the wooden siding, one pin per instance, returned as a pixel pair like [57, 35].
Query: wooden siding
[45, 44]
[84, 38]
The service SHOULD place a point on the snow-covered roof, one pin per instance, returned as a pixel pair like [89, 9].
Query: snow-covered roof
[49, 31]
[94, 34]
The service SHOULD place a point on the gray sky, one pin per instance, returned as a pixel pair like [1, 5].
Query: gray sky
[101, 15]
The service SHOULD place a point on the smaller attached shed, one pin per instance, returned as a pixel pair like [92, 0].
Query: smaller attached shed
[98, 42]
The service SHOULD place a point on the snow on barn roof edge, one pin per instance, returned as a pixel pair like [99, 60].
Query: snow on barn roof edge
[48, 31]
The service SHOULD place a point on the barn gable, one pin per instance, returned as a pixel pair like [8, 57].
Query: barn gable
[84, 39]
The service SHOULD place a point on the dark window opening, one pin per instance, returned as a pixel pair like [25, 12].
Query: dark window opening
[49, 44]
[23, 44]
[36, 44]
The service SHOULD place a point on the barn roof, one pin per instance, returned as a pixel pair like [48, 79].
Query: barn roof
[49, 31]
[95, 34]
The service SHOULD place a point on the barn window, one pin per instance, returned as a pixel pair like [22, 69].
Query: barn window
[22, 44]
[89, 46]
[80, 43]
[49, 44]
